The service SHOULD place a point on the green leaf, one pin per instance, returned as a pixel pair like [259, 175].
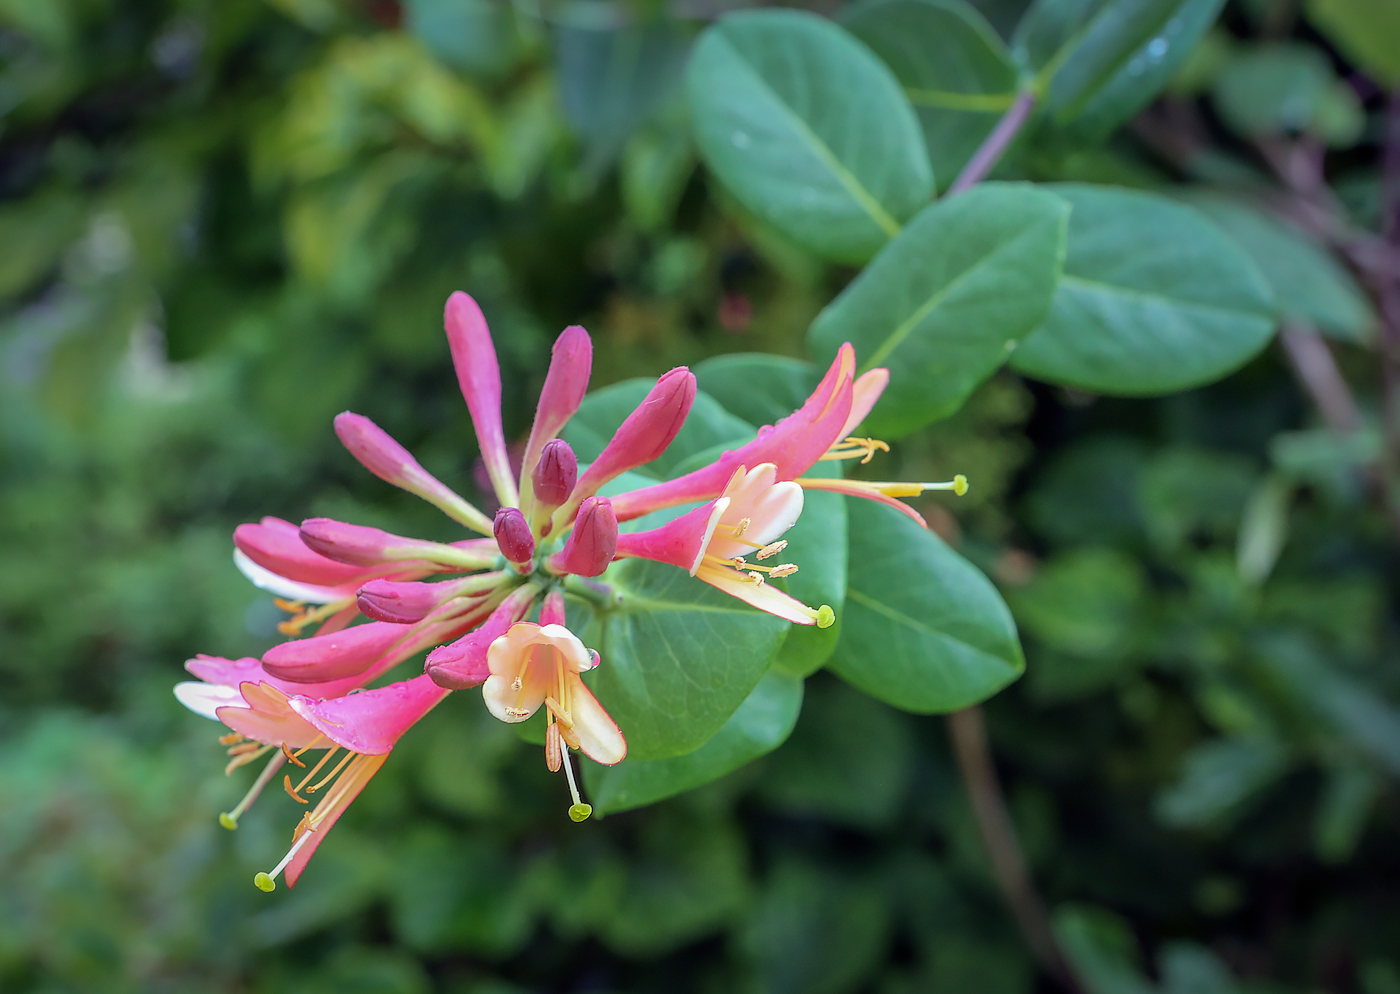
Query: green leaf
[808, 130]
[762, 723]
[598, 417]
[1367, 32]
[943, 303]
[1098, 62]
[954, 69]
[611, 79]
[476, 36]
[1308, 283]
[1219, 776]
[1283, 87]
[679, 657]
[760, 388]
[1135, 315]
[922, 629]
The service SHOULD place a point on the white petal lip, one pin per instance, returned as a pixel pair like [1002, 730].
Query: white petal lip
[265, 579]
[716, 516]
[763, 596]
[206, 698]
[772, 508]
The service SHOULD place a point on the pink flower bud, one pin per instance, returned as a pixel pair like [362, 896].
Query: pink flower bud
[363, 546]
[555, 474]
[329, 657]
[462, 664]
[392, 463]
[275, 545]
[645, 434]
[401, 603]
[592, 543]
[570, 365]
[513, 535]
[479, 375]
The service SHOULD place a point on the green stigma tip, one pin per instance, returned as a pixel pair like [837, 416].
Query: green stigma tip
[265, 883]
[959, 484]
[826, 617]
[227, 820]
[580, 811]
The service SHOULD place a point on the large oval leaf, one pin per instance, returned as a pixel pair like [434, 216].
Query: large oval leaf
[945, 302]
[762, 723]
[922, 628]
[1308, 283]
[1135, 312]
[1099, 62]
[678, 657]
[954, 69]
[808, 130]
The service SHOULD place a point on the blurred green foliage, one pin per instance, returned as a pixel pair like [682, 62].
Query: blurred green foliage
[226, 221]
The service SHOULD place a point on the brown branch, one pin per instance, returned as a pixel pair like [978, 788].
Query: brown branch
[1316, 369]
[969, 735]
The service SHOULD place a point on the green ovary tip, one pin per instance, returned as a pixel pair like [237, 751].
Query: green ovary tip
[580, 811]
[264, 882]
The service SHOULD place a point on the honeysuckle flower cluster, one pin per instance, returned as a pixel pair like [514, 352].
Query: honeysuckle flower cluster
[360, 601]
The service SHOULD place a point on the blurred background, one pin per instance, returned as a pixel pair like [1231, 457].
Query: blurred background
[224, 221]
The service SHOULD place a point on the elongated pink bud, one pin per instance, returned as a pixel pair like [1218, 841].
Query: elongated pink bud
[402, 603]
[681, 541]
[642, 437]
[570, 365]
[552, 609]
[592, 543]
[392, 463]
[555, 474]
[360, 545]
[330, 657]
[275, 545]
[513, 536]
[479, 375]
[462, 664]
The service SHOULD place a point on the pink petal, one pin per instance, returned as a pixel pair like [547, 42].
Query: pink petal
[867, 390]
[681, 541]
[373, 721]
[855, 488]
[479, 375]
[463, 663]
[346, 791]
[570, 365]
[593, 542]
[792, 445]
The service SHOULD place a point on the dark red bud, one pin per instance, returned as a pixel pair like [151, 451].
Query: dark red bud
[513, 535]
[555, 474]
[593, 542]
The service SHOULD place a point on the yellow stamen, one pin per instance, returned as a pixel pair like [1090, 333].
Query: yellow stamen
[756, 577]
[786, 569]
[291, 757]
[317, 768]
[772, 549]
[853, 447]
[303, 615]
[332, 774]
[292, 791]
[232, 738]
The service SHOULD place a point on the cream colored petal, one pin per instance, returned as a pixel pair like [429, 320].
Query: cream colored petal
[565, 642]
[206, 698]
[599, 738]
[509, 704]
[764, 596]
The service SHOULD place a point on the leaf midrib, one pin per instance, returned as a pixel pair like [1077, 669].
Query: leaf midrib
[907, 326]
[1116, 290]
[853, 186]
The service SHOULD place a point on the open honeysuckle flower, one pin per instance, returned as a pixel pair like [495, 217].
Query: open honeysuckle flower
[538, 665]
[713, 542]
[820, 430]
